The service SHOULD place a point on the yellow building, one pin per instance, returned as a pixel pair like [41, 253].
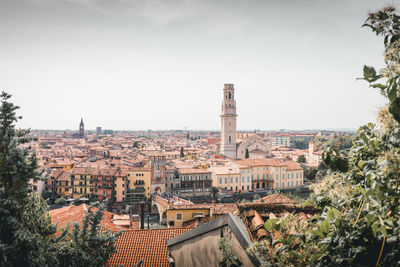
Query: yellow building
[81, 183]
[180, 214]
[63, 185]
[139, 184]
[270, 173]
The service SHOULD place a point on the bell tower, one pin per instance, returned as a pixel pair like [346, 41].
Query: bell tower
[228, 122]
[81, 129]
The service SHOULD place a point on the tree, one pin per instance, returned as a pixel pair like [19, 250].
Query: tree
[182, 154]
[246, 156]
[25, 232]
[310, 173]
[359, 198]
[300, 144]
[47, 195]
[60, 201]
[215, 191]
[88, 244]
[27, 237]
[135, 144]
[301, 159]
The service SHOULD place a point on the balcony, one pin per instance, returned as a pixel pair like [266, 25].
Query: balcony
[137, 190]
[106, 186]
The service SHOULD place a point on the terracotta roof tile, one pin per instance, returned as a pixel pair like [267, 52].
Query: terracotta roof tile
[147, 245]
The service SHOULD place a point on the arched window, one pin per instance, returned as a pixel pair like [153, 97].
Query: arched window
[230, 140]
[230, 95]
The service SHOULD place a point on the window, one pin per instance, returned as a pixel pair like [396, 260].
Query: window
[248, 179]
[231, 180]
[237, 180]
[242, 179]
[247, 187]
[297, 175]
[230, 139]
[220, 180]
[277, 185]
[263, 175]
[226, 180]
[179, 216]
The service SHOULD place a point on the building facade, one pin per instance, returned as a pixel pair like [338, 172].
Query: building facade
[139, 184]
[194, 182]
[228, 122]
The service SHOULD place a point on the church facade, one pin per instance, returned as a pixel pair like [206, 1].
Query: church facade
[253, 145]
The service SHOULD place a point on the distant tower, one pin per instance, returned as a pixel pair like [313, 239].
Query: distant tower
[228, 122]
[81, 129]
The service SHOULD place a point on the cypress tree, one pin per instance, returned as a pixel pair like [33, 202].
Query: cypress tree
[247, 154]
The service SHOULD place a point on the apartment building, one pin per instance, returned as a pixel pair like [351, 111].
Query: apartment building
[194, 182]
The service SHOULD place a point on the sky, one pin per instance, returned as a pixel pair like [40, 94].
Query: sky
[162, 64]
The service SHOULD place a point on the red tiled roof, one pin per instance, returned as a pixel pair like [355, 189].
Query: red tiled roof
[147, 245]
[75, 214]
[292, 166]
[277, 199]
[192, 170]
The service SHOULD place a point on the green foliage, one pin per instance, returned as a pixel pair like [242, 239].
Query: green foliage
[300, 144]
[182, 154]
[310, 173]
[60, 201]
[135, 144]
[301, 159]
[27, 237]
[256, 197]
[339, 142]
[88, 244]
[228, 258]
[47, 195]
[215, 191]
[359, 224]
[25, 230]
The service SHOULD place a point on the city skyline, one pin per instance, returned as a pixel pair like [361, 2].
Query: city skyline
[162, 65]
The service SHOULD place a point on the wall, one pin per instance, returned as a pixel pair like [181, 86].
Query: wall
[202, 250]
[187, 214]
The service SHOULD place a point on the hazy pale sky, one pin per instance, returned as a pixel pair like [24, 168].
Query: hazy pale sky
[160, 64]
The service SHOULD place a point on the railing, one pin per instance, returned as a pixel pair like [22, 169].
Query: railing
[136, 190]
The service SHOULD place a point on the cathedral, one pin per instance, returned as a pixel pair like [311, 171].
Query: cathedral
[253, 146]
